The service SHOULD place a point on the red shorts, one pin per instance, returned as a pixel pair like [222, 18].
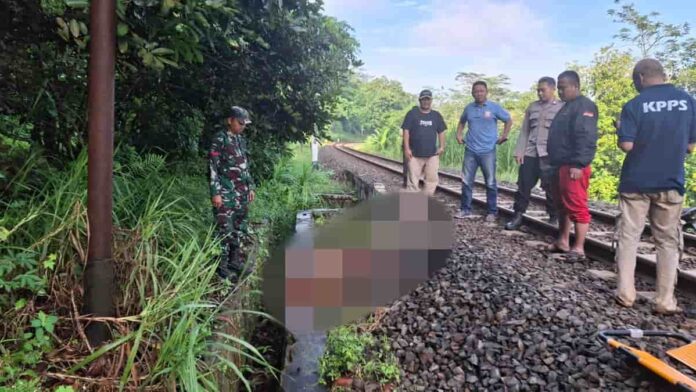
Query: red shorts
[570, 195]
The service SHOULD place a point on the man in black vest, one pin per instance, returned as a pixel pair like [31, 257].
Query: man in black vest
[572, 146]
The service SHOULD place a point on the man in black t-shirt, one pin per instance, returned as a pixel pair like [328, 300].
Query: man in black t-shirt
[422, 128]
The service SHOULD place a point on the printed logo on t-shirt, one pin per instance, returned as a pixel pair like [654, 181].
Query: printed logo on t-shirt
[428, 123]
[658, 106]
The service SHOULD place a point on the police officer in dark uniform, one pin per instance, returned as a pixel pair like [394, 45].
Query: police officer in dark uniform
[571, 147]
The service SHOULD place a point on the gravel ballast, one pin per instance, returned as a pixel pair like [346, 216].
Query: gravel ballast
[504, 315]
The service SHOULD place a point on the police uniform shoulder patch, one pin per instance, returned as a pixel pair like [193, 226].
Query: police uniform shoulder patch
[588, 114]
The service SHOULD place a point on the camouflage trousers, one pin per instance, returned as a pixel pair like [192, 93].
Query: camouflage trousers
[231, 224]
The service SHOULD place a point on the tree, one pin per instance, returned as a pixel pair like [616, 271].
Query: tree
[608, 82]
[498, 89]
[651, 36]
[387, 137]
[365, 102]
[667, 42]
[687, 75]
[180, 66]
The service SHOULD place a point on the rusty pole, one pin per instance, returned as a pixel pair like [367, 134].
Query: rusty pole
[99, 273]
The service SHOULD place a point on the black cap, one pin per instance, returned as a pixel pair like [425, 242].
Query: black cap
[241, 114]
[425, 94]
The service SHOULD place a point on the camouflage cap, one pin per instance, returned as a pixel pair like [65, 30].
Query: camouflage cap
[241, 114]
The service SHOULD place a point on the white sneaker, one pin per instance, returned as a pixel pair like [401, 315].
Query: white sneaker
[491, 218]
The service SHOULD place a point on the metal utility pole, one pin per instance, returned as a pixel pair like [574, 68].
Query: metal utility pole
[99, 273]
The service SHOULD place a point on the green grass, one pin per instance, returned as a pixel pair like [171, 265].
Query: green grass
[346, 137]
[178, 324]
[350, 352]
[168, 295]
[453, 156]
[293, 186]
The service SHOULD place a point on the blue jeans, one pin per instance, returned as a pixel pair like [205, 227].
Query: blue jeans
[472, 161]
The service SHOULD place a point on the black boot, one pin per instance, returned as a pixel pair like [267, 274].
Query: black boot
[237, 264]
[515, 223]
[553, 220]
[223, 270]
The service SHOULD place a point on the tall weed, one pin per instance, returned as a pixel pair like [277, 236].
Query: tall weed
[177, 326]
[169, 302]
[294, 186]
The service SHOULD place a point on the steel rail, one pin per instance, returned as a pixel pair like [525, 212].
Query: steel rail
[601, 216]
[594, 248]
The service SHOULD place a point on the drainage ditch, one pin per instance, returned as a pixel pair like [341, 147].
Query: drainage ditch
[301, 365]
[297, 357]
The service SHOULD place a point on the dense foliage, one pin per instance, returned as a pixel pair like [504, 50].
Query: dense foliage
[364, 101]
[180, 66]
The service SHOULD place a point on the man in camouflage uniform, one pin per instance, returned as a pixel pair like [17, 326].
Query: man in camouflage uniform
[231, 190]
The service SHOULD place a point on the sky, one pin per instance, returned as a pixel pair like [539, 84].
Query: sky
[426, 43]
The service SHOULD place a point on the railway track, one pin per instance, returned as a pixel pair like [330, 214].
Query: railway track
[599, 242]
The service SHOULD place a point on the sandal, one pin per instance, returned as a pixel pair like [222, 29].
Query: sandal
[553, 248]
[667, 312]
[621, 302]
[574, 256]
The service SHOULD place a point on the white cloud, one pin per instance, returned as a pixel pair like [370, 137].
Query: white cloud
[426, 42]
[468, 25]
[406, 3]
[407, 51]
[347, 7]
[487, 37]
